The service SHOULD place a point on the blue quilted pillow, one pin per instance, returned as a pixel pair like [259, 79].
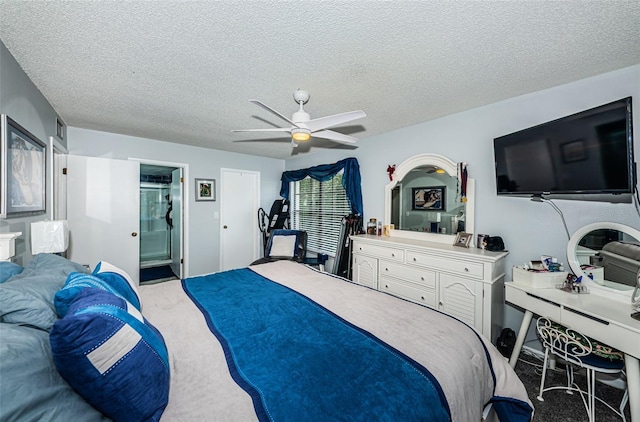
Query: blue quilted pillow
[107, 281]
[113, 357]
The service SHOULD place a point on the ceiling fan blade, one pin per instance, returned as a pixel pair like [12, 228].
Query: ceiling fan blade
[334, 136]
[276, 129]
[266, 107]
[333, 120]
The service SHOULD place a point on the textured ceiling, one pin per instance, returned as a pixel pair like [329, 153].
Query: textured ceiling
[183, 71]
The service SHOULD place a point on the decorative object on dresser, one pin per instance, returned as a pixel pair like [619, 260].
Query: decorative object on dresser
[463, 239]
[465, 283]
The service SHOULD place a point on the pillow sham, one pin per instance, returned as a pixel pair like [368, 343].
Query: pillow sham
[31, 389]
[110, 281]
[112, 356]
[52, 265]
[117, 277]
[27, 298]
[283, 246]
[8, 270]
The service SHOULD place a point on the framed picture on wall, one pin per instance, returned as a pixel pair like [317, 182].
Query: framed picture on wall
[205, 190]
[23, 169]
[428, 198]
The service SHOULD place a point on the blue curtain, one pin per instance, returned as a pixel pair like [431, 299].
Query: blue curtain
[322, 173]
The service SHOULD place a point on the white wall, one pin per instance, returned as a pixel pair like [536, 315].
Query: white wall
[529, 229]
[204, 229]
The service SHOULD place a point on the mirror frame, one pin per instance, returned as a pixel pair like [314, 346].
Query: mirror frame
[452, 170]
[572, 258]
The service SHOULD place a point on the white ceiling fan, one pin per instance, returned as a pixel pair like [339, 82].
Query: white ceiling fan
[302, 127]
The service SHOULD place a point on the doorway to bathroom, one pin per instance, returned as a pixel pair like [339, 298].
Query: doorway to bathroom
[161, 223]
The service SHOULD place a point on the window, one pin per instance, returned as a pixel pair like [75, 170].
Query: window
[318, 208]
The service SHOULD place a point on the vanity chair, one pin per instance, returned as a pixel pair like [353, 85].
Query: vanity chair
[576, 349]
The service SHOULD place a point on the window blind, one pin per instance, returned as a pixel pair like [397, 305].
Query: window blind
[318, 208]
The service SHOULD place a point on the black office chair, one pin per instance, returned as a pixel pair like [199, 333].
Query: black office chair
[285, 244]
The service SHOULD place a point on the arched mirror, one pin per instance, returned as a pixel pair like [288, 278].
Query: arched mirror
[607, 256]
[423, 201]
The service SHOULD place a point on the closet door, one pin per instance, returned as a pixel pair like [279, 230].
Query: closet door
[103, 210]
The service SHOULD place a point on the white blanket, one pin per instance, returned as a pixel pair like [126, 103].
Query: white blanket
[202, 387]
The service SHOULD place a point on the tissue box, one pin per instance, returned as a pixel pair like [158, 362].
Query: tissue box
[539, 280]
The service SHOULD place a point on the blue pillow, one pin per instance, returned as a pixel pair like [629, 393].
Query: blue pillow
[31, 389]
[27, 298]
[110, 282]
[112, 356]
[120, 280]
[51, 265]
[8, 270]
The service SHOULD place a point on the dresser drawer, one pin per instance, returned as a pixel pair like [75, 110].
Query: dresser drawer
[419, 276]
[379, 251]
[406, 290]
[462, 267]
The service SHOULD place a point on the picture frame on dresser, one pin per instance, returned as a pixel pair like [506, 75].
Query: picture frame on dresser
[463, 239]
[23, 170]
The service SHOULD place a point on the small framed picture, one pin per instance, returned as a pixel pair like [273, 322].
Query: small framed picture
[205, 190]
[463, 239]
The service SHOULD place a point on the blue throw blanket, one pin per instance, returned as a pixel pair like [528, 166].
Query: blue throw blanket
[299, 361]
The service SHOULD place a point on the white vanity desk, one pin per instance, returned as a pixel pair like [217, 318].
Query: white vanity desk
[603, 314]
[597, 316]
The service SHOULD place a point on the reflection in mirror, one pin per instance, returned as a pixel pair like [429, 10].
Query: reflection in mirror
[422, 201]
[427, 200]
[607, 253]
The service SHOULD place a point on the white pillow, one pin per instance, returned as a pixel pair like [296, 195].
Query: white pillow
[283, 246]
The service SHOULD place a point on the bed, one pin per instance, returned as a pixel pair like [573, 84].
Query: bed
[279, 341]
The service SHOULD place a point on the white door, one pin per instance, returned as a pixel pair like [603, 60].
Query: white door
[103, 209]
[176, 217]
[239, 203]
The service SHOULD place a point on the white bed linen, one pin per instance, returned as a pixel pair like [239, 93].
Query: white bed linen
[202, 388]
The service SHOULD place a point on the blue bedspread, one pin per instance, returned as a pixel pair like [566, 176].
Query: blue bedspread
[299, 361]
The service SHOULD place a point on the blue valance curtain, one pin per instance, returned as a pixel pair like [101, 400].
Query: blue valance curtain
[350, 179]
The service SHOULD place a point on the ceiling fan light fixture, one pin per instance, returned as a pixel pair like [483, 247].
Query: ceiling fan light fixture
[300, 135]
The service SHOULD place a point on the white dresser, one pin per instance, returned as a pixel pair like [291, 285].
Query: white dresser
[464, 282]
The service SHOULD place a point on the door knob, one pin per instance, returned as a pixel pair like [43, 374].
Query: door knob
[134, 234]
[224, 227]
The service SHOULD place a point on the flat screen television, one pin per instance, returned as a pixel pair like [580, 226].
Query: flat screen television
[590, 152]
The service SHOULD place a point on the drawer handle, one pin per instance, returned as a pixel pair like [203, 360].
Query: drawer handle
[386, 286]
[422, 278]
[466, 270]
[393, 255]
[414, 260]
[422, 297]
[440, 303]
[386, 269]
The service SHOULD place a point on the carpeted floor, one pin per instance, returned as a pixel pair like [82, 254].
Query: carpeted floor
[157, 274]
[560, 406]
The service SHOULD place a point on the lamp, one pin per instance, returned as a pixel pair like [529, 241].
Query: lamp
[300, 135]
[440, 171]
[49, 236]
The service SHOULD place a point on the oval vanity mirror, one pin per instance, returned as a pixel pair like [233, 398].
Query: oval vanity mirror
[423, 200]
[607, 256]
